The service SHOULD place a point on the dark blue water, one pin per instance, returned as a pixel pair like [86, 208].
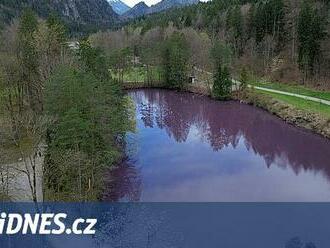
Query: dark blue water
[191, 148]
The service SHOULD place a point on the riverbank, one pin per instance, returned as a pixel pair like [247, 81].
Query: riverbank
[315, 122]
[192, 88]
[294, 88]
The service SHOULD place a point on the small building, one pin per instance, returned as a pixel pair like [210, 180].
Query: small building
[192, 76]
[192, 79]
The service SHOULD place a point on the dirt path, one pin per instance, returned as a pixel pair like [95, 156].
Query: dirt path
[309, 98]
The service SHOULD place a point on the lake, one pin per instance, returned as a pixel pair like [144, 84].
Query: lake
[190, 148]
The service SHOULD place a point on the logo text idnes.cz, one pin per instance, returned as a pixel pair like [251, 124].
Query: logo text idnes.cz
[45, 224]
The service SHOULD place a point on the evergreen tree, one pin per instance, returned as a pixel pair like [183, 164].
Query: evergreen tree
[221, 54]
[311, 32]
[222, 83]
[244, 79]
[251, 21]
[91, 121]
[58, 29]
[50, 41]
[276, 26]
[175, 61]
[268, 19]
[28, 58]
[93, 60]
[235, 28]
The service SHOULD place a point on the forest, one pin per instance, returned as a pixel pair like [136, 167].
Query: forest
[62, 116]
[80, 17]
[282, 40]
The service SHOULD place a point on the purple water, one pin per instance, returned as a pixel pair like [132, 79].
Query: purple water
[191, 148]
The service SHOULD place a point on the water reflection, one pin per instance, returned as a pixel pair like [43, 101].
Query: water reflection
[122, 183]
[224, 151]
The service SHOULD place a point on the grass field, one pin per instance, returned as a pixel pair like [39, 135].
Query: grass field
[297, 89]
[301, 103]
[138, 74]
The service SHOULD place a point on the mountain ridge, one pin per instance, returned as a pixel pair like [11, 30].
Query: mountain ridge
[140, 10]
[119, 6]
[81, 16]
[137, 10]
[167, 4]
[78, 15]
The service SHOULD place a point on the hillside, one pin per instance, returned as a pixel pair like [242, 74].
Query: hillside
[167, 4]
[139, 9]
[79, 15]
[119, 7]
[142, 9]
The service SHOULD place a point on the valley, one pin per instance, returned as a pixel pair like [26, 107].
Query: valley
[242, 99]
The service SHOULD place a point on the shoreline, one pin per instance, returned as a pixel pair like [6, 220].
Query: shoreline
[313, 122]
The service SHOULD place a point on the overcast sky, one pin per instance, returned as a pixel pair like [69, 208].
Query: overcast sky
[131, 3]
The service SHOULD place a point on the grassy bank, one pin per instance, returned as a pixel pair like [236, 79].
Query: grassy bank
[192, 88]
[298, 112]
[293, 88]
[143, 84]
[300, 103]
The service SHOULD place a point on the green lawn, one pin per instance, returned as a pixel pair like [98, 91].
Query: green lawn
[297, 89]
[301, 103]
[138, 74]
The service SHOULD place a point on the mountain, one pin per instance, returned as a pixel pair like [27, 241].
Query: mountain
[118, 6]
[79, 15]
[141, 8]
[167, 4]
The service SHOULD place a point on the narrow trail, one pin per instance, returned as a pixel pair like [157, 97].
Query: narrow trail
[309, 98]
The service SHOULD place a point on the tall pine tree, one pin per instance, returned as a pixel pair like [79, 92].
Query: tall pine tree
[222, 85]
[27, 55]
[175, 61]
[311, 31]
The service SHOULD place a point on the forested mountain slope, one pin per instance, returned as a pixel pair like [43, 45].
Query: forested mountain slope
[141, 8]
[79, 15]
[118, 6]
[287, 40]
[138, 10]
[167, 4]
